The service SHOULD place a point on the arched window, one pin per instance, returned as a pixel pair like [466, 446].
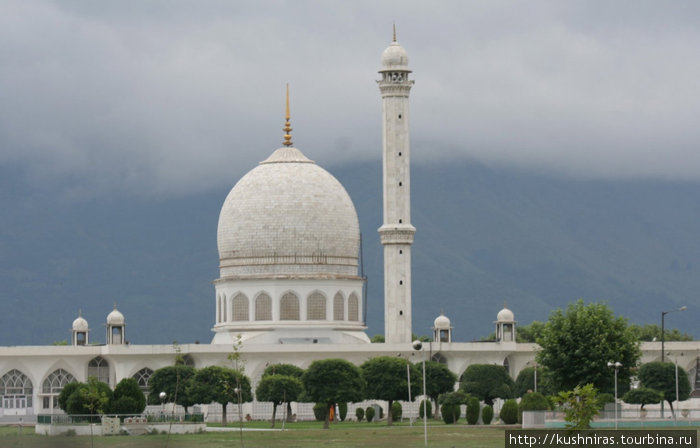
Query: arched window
[53, 385]
[289, 307]
[99, 368]
[218, 309]
[142, 377]
[316, 306]
[16, 390]
[263, 307]
[353, 308]
[338, 307]
[240, 307]
[224, 315]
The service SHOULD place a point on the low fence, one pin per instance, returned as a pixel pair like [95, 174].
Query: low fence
[117, 424]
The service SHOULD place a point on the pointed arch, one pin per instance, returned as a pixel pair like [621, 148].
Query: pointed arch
[142, 377]
[16, 390]
[316, 306]
[52, 387]
[353, 308]
[263, 307]
[239, 307]
[338, 306]
[289, 306]
[99, 368]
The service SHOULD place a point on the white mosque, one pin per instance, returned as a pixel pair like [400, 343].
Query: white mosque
[289, 288]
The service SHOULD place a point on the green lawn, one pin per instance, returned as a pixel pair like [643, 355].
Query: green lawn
[305, 434]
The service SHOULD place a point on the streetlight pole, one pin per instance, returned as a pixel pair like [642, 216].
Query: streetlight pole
[663, 333]
[418, 345]
[617, 366]
[663, 340]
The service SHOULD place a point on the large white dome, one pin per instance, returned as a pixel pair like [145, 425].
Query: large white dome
[288, 217]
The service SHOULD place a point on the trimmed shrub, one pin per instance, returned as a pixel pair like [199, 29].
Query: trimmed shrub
[450, 413]
[320, 410]
[532, 401]
[360, 414]
[487, 415]
[473, 410]
[509, 412]
[342, 411]
[396, 411]
[369, 413]
[423, 405]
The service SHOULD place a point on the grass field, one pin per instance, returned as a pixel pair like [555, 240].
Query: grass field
[304, 434]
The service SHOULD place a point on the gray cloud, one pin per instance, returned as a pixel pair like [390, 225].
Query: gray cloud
[171, 97]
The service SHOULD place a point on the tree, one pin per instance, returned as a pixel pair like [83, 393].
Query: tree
[530, 332]
[278, 389]
[219, 384]
[580, 406]
[643, 396]
[661, 376]
[486, 382]
[331, 381]
[578, 344]
[288, 370]
[652, 332]
[174, 381]
[128, 397]
[66, 392]
[525, 382]
[439, 380]
[386, 378]
[93, 397]
[378, 339]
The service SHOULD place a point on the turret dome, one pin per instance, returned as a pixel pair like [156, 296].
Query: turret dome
[115, 317]
[80, 324]
[505, 315]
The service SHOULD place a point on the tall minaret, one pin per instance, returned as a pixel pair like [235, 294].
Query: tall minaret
[396, 232]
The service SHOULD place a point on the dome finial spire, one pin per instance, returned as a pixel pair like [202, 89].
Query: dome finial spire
[394, 32]
[287, 127]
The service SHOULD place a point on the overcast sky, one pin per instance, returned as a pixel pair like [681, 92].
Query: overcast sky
[169, 97]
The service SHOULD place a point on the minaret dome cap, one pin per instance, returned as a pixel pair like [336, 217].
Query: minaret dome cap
[395, 58]
[80, 324]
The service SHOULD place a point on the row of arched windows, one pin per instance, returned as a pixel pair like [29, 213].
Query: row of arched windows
[17, 390]
[289, 307]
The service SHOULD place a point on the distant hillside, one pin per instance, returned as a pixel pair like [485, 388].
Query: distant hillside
[485, 236]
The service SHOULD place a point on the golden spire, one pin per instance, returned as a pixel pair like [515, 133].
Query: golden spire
[287, 127]
[394, 32]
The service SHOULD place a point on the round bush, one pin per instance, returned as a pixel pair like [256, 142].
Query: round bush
[509, 412]
[320, 410]
[423, 405]
[360, 414]
[342, 411]
[472, 410]
[396, 411]
[532, 401]
[369, 413]
[450, 413]
[487, 415]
